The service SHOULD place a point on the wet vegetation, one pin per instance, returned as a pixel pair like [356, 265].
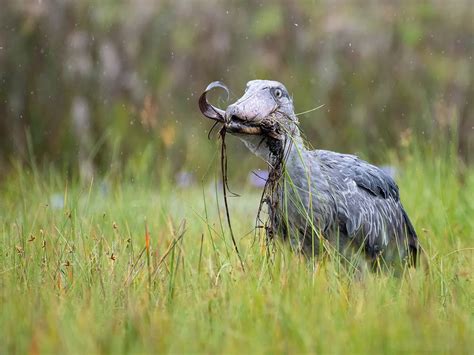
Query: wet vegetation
[79, 272]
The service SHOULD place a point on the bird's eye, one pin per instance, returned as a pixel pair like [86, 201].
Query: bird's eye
[278, 93]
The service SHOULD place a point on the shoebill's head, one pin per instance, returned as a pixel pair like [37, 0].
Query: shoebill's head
[263, 118]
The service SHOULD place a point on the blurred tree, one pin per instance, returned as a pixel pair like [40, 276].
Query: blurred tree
[92, 85]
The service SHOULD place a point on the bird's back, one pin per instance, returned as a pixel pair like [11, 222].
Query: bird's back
[350, 200]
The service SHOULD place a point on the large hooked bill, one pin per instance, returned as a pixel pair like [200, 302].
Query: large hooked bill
[219, 116]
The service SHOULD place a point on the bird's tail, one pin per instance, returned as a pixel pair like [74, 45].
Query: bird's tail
[412, 239]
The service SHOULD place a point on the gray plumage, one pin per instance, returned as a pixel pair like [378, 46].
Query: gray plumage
[352, 204]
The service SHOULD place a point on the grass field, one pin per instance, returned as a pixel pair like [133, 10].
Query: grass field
[76, 275]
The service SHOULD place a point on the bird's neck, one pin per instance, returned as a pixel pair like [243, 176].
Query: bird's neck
[271, 150]
[293, 147]
[294, 157]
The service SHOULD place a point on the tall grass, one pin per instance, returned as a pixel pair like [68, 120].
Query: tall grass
[74, 275]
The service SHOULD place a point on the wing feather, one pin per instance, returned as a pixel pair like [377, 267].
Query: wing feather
[367, 202]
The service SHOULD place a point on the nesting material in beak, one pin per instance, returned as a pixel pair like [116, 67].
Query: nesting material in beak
[267, 129]
[218, 115]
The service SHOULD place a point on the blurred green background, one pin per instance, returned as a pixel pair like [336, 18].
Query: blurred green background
[106, 87]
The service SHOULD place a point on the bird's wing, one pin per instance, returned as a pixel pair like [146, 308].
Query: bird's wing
[367, 176]
[367, 200]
